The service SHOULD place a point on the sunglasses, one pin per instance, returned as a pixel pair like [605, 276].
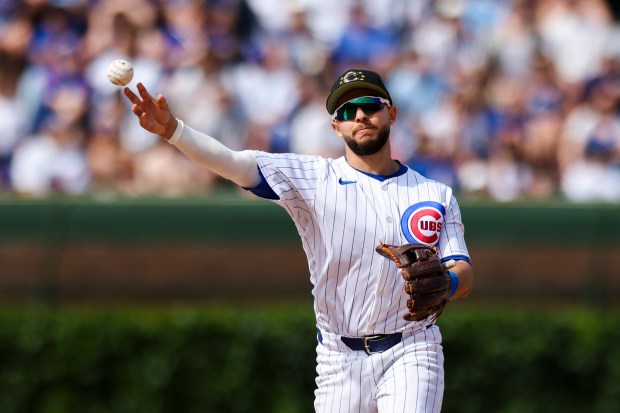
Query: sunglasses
[368, 104]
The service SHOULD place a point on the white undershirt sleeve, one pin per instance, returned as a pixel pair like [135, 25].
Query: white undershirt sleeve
[238, 166]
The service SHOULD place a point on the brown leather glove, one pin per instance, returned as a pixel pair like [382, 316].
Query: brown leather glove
[426, 279]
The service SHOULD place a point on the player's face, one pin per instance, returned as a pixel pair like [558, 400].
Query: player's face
[364, 124]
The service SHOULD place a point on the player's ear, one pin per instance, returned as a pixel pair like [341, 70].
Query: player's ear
[393, 114]
[336, 128]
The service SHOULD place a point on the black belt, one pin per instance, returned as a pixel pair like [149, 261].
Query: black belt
[373, 344]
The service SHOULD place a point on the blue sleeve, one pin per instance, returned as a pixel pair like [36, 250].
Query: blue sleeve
[263, 190]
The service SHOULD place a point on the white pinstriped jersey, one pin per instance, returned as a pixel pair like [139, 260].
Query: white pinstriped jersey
[341, 215]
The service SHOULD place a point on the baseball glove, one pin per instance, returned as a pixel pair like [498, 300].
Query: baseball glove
[427, 282]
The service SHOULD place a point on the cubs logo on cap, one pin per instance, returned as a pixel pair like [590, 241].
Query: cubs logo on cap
[355, 79]
[423, 222]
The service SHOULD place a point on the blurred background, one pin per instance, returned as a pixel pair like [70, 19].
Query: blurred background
[502, 100]
[132, 280]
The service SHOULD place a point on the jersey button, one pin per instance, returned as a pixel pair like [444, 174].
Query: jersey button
[389, 220]
[385, 188]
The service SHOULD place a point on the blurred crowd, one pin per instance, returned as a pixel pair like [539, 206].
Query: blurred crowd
[501, 99]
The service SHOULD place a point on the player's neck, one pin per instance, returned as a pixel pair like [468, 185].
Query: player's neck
[380, 163]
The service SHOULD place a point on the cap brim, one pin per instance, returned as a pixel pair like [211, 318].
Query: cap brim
[332, 100]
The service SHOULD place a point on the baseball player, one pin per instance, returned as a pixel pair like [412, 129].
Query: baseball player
[369, 357]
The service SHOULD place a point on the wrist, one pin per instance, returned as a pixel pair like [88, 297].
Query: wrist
[170, 129]
[454, 283]
[176, 133]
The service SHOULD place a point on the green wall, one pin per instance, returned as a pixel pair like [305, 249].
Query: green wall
[195, 248]
[227, 217]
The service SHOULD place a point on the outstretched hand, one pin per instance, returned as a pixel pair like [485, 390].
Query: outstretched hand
[153, 114]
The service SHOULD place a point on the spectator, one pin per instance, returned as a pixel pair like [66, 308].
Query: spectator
[14, 38]
[200, 93]
[309, 55]
[416, 88]
[265, 89]
[595, 177]
[590, 149]
[361, 44]
[51, 161]
[575, 35]
[308, 129]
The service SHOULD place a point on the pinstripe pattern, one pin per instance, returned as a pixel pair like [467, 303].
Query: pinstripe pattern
[357, 292]
[409, 377]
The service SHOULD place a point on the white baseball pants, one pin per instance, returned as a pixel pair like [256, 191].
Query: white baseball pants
[409, 377]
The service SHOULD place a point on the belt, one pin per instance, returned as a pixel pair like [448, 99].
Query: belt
[373, 344]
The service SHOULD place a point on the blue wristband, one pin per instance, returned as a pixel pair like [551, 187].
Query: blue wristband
[454, 283]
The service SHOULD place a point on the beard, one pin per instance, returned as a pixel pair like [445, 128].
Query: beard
[371, 146]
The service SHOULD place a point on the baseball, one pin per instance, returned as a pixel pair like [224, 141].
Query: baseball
[120, 72]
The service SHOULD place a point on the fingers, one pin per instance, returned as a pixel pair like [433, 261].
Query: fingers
[162, 103]
[141, 103]
[146, 96]
[137, 110]
[131, 96]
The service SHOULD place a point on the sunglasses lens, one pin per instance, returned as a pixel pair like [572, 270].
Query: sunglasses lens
[368, 104]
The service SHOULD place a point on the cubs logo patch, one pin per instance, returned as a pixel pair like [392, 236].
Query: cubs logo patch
[423, 222]
[352, 76]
